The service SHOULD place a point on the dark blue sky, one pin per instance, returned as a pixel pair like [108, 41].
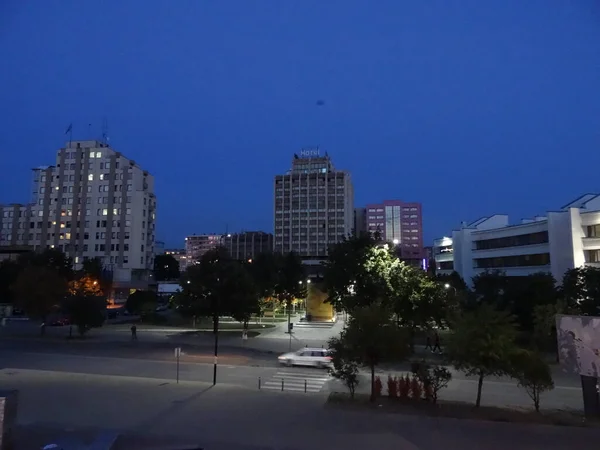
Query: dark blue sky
[471, 107]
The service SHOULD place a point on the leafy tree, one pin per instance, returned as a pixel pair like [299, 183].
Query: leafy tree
[263, 270]
[166, 268]
[490, 287]
[38, 291]
[9, 272]
[581, 289]
[482, 343]
[524, 294]
[141, 301]
[94, 268]
[357, 272]
[345, 367]
[418, 301]
[544, 326]
[216, 286]
[289, 280]
[85, 305]
[371, 338]
[52, 259]
[533, 374]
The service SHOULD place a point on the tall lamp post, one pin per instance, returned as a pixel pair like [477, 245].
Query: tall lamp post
[306, 296]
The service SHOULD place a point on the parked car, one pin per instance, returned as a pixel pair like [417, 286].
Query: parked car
[314, 357]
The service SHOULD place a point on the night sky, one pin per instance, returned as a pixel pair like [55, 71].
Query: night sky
[471, 107]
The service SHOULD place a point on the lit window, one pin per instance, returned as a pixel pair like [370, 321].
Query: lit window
[98, 154]
[91, 177]
[67, 235]
[105, 212]
[92, 154]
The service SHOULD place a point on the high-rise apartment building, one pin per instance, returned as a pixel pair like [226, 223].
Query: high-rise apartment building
[314, 206]
[247, 245]
[198, 245]
[400, 223]
[93, 203]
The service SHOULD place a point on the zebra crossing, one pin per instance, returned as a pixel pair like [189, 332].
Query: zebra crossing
[297, 381]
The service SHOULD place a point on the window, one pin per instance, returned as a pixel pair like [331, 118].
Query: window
[98, 154]
[42, 190]
[107, 165]
[92, 154]
[89, 189]
[143, 224]
[91, 177]
[101, 165]
[71, 177]
[105, 212]
[102, 246]
[72, 166]
[129, 187]
[99, 200]
[40, 213]
[126, 247]
[128, 212]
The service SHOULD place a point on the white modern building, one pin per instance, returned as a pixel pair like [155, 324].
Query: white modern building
[313, 206]
[554, 243]
[93, 203]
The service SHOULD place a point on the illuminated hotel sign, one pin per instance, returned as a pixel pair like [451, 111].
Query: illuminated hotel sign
[310, 152]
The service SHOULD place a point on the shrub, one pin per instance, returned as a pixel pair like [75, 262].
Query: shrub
[433, 378]
[416, 388]
[392, 385]
[378, 387]
[403, 387]
[533, 374]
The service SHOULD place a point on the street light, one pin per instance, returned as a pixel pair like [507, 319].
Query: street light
[396, 241]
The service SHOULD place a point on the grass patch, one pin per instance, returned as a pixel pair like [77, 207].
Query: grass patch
[460, 410]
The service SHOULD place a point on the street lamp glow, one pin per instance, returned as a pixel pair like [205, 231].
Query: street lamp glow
[308, 281]
[396, 241]
[447, 286]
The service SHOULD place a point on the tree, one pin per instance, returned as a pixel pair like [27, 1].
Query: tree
[581, 289]
[85, 305]
[544, 326]
[371, 338]
[345, 368]
[289, 280]
[216, 286]
[417, 300]
[533, 374]
[434, 378]
[94, 268]
[140, 301]
[52, 259]
[38, 291]
[490, 287]
[482, 343]
[166, 268]
[357, 271]
[9, 272]
[524, 294]
[263, 270]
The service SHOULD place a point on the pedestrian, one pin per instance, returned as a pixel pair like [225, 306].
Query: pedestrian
[133, 333]
[436, 344]
[428, 343]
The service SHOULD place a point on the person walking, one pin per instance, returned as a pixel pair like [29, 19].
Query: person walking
[428, 343]
[436, 345]
[133, 333]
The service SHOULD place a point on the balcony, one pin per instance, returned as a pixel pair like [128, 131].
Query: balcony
[591, 243]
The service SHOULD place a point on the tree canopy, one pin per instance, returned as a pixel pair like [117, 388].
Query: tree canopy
[166, 268]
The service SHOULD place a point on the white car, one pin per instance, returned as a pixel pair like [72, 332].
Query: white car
[313, 357]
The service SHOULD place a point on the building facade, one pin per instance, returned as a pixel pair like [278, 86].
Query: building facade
[180, 256]
[554, 243]
[313, 206]
[93, 203]
[247, 245]
[400, 223]
[198, 245]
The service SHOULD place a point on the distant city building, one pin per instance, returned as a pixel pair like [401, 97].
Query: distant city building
[554, 243]
[180, 256]
[400, 223]
[360, 221]
[246, 245]
[93, 203]
[314, 206]
[198, 245]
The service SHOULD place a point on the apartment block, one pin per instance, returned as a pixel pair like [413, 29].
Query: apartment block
[553, 243]
[247, 245]
[198, 245]
[313, 206]
[360, 221]
[94, 202]
[400, 223]
[180, 256]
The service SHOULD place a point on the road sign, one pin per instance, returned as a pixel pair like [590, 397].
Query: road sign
[177, 352]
